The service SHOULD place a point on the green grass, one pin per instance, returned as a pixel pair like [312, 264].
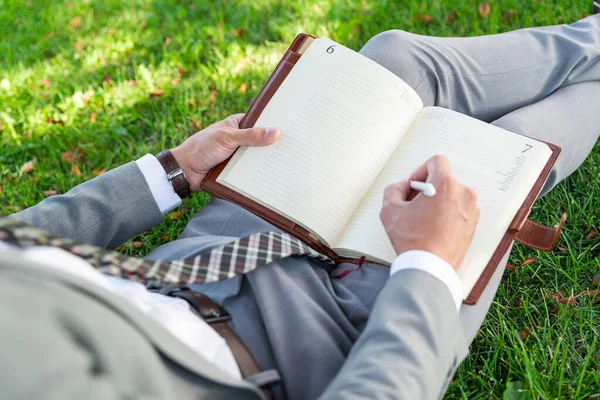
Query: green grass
[77, 77]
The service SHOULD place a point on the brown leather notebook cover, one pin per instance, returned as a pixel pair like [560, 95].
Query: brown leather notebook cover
[521, 229]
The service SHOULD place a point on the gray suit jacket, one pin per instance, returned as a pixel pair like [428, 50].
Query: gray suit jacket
[64, 338]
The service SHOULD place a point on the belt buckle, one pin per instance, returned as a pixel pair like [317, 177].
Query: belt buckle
[216, 316]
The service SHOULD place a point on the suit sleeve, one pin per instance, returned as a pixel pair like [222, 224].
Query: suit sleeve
[104, 211]
[410, 347]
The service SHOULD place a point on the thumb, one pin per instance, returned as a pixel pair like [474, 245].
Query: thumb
[255, 136]
[398, 192]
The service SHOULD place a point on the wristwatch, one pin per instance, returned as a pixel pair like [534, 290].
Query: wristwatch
[175, 174]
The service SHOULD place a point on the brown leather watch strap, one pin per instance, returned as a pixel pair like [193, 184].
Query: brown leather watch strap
[174, 173]
[217, 318]
[538, 236]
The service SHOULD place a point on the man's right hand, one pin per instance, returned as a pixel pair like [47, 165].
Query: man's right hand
[443, 224]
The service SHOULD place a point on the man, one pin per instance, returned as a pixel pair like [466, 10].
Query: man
[68, 332]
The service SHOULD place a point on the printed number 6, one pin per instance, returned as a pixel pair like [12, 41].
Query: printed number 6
[330, 49]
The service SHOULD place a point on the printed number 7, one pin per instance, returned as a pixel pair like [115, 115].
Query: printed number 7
[330, 49]
[528, 148]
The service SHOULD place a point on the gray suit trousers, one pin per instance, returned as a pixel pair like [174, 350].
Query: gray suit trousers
[294, 314]
[537, 82]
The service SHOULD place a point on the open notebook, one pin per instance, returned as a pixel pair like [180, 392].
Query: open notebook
[350, 128]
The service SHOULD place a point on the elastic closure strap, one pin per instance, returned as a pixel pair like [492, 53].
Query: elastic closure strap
[537, 236]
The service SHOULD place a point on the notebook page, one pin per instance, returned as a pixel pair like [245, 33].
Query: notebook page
[500, 166]
[342, 116]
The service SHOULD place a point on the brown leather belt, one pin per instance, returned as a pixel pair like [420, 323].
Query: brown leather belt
[217, 318]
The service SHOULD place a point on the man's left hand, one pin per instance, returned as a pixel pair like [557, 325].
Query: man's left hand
[214, 144]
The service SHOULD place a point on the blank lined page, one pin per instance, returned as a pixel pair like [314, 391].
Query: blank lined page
[342, 116]
[500, 166]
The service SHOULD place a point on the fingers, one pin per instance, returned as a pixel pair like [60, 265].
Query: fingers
[252, 136]
[432, 170]
[470, 201]
[397, 192]
[232, 121]
[234, 137]
[470, 195]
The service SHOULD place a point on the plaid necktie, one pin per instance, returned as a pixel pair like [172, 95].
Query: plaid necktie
[238, 257]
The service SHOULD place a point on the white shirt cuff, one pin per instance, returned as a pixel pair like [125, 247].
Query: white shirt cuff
[434, 266]
[156, 177]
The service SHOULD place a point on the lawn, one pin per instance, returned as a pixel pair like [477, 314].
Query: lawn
[88, 85]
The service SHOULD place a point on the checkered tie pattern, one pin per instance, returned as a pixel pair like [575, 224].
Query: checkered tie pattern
[238, 257]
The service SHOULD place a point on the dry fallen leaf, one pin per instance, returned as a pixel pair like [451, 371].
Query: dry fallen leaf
[196, 127]
[137, 243]
[49, 193]
[75, 22]
[180, 71]
[567, 300]
[93, 117]
[484, 9]
[591, 293]
[510, 267]
[425, 18]
[168, 40]
[175, 215]
[563, 249]
[97, 172]
[27, 167]
[132, 83]
[508, 14]
[0, 189]
[557, 295]
[528, 261]
[451, 17]
[243, 88]
[592, 234]
[157, 93]
[596, 280]
[518, 302]
[75, 170]
[191, 102]
[107, 79]
[74, 155]
[237, 32]
[524, 334]
[174, 82]
[213, 95]
[164, 238]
